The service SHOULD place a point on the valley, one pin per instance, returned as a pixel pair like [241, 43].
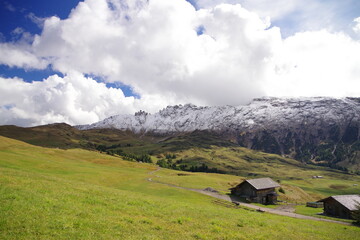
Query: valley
[179, 120]
[49, 193]
[108, 182]
[320, 130]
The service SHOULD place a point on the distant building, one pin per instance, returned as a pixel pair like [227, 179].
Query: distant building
[260, 190]
[341, 206]
[317, 177]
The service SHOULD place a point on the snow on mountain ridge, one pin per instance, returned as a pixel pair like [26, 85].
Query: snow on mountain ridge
[260, 113]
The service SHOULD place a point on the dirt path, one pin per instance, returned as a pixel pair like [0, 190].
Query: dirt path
[286, 208]
[234, 200]
[153, 173]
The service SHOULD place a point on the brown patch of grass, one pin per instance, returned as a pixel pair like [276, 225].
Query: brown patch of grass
[338, 186]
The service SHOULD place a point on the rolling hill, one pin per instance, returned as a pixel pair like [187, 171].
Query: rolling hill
[188, 151]
[49, 193]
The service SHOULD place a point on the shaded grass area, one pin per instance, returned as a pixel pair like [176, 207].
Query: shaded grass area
[77, 194]
[61, 135]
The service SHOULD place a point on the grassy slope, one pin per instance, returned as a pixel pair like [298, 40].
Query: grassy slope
[292, 174]
[61, 135]
[77, 194]
[64, 136]
[194, 148]
[197, 148]
[54, 135]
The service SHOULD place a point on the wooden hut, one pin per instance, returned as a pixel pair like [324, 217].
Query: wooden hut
[260, 190]
[341, 205]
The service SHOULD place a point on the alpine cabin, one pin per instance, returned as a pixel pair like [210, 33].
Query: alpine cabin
[260, 190]
[341, 205]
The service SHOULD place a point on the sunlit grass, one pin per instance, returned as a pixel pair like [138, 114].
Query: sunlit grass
[78, 194]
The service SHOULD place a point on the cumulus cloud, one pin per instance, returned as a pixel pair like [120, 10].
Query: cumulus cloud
[169, 53]
[316, 64]
[73, 98]
[19, 53]
[356, 28]
[299, 15]
[15, 55]
[276, 9]
[156, 48]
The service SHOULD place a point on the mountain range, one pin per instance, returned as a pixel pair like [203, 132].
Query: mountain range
[322, 131]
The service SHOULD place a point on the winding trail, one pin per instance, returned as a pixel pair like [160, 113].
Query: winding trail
[237, 202]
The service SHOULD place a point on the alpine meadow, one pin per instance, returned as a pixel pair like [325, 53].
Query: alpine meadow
[180, 119]
[61, 194]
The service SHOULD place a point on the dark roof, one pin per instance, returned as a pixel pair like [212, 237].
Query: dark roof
[262, 183]
[348, 201]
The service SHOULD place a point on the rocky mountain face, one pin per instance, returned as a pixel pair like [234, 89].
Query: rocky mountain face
[322, 131]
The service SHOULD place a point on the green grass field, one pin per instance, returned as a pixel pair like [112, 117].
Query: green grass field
[295, 177]
[195, 149]
[78, 194]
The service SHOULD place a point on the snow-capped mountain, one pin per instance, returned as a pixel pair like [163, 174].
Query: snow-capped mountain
[261, 113]
[321, 130]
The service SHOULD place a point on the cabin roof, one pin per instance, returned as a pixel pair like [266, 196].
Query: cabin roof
[262, 183]
[348, 201]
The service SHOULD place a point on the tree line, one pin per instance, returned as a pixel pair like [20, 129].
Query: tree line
[168, 162]
[178, 165]
[111, 150]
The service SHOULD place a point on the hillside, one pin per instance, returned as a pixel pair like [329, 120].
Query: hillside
[78, 194]
[193, 150]
[321, 131]
[61, 135]
[186, 151]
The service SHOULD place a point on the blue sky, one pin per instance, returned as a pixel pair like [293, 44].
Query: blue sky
[117, 56]
[15, 13]
[21, 13]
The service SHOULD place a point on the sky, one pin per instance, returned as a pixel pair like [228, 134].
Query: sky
[82, 61]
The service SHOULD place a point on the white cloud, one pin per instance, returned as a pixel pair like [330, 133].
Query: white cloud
[154, 48]
[74, 99]
[19, 55]
[356, 28]
[300, 15]
[317, 64]
[276, 9]
[39, 21]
